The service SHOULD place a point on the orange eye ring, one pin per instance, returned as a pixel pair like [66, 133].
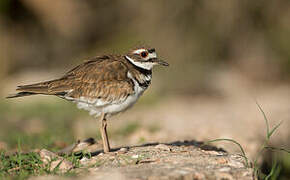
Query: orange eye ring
[144, 54]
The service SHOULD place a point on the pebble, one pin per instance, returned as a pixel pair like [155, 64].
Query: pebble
[123, 150]
[222, 161]
[55, 161]
[163, 147]
[236, 163]
[136, 156]
[223, 176]
[198, 176]
[225, 169]
[216, 153]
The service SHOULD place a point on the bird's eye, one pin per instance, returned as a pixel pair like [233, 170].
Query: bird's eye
[144, 54]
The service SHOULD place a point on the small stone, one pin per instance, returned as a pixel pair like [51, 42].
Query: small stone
[84, 160]
[247, 173]
[236, 163]
[88, 145]
[216, 153]
[183, 172]
[136, 156]
[198, 176]
[81, 147]
[47, 156]
[223, 176]
[225, 169]
[62, 164]
[123, 150]
[163, 147]
[222, 161]
[55, 161]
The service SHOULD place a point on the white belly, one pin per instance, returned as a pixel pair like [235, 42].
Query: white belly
[110, 109]
[97, 107]
[116, 108]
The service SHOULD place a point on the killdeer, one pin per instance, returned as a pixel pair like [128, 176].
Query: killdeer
[104, 85]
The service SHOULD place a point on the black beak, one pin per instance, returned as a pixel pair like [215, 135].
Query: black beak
[159, 61]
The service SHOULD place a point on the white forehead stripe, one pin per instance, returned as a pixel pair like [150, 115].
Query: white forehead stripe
[138, 51]
[150, 55]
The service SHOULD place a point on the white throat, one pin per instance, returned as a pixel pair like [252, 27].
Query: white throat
[143, 65]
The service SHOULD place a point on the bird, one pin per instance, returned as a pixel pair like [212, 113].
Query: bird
[104, 85]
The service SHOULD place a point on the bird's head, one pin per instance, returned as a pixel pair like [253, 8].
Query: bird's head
[145, 58]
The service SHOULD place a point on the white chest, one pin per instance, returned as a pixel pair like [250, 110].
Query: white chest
[128, 102]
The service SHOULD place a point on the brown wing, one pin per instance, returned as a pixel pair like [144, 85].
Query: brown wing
[102, 78]
[102, 93]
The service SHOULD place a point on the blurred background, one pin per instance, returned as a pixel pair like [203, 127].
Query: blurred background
[224, 55]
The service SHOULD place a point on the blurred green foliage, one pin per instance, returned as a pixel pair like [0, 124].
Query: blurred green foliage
[282, 162]
[24, 165]
[51, 125]
[57, 118]
[20, 166]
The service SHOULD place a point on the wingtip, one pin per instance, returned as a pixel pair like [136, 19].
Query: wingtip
[20, 94]
[11, 96]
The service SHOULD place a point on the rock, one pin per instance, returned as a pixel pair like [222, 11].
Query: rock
[163, 147]
[85, 145]
[198, 176]
[47, 156]
[135, 156]
[123, 150]
[223, 176]
[176, 161]
[88, 146]
[55, 161]
[168, 162]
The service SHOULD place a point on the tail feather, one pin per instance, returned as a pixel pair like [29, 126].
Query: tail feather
[54, 87]
[43, 86]
[31, 89]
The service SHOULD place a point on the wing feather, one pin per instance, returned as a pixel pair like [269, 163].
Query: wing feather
[104, 81]
[104, 78]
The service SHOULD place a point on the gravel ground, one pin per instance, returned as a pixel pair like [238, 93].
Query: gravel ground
[177, 160]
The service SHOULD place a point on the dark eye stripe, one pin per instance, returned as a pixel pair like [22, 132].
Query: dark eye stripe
[151, 50]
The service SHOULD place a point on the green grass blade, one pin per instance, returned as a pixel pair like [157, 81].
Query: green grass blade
[265, 117]
[277, 172]
[56, 169]
[19, 159]
[273, 130]
[235, 142]
[273, 170]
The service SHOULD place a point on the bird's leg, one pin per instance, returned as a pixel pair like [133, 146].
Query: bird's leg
[104, 133]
